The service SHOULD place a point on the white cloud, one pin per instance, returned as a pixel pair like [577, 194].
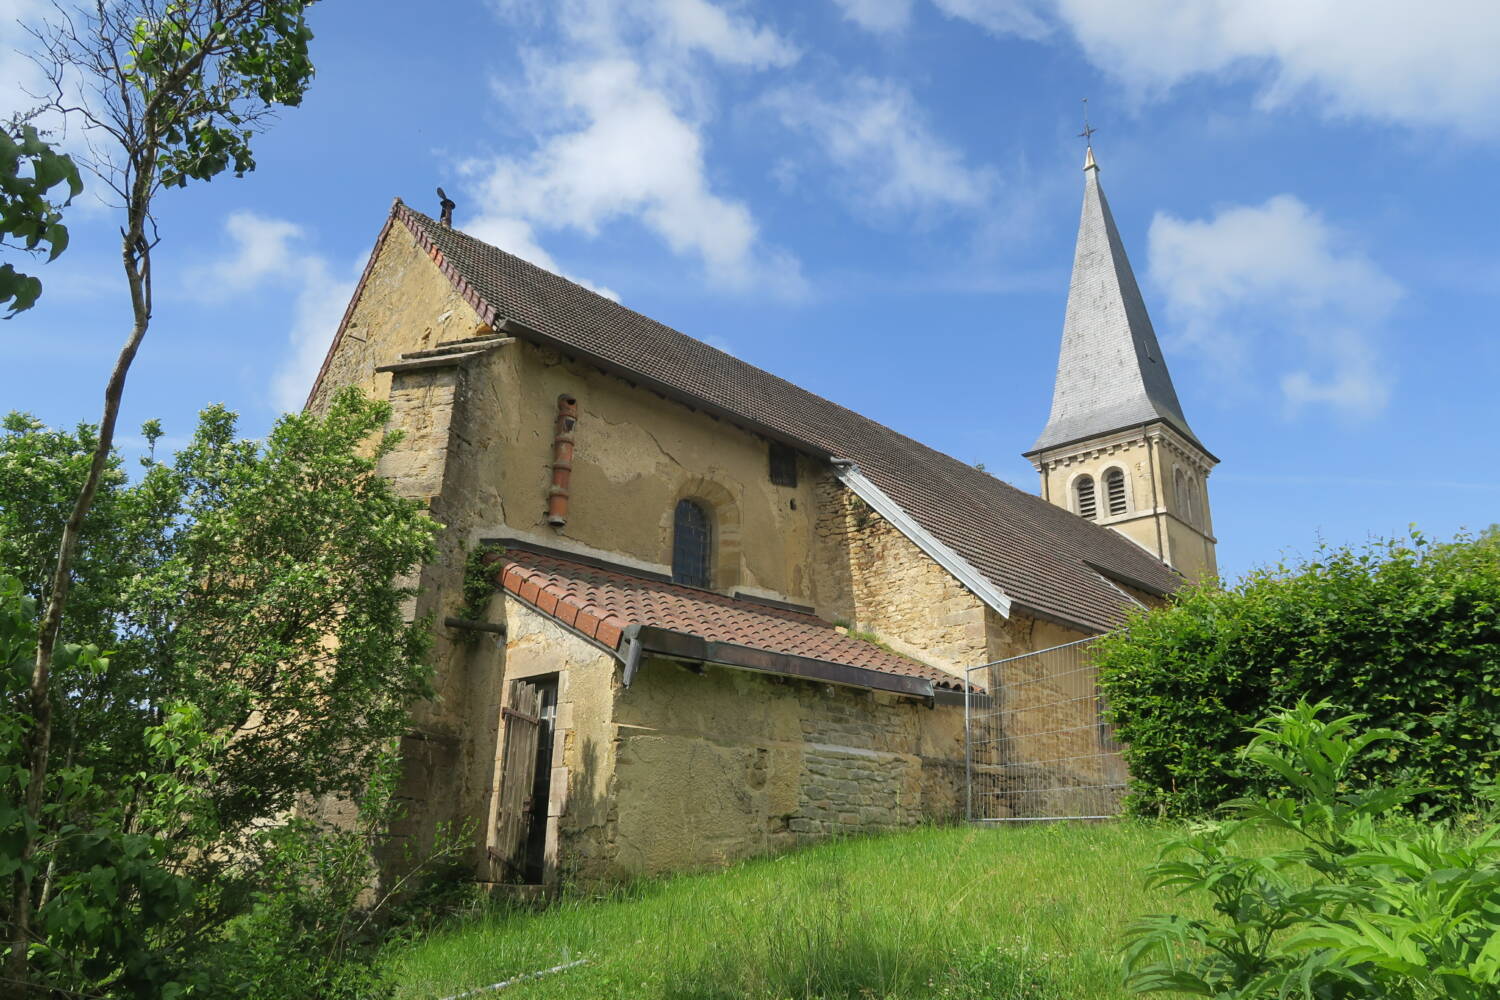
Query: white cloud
[877, 15]
[621, 105]
[266, 251]
[20, 78]
[736, 41]
[262, 249]
[1387, 59]
[1391, 60]
[1277, 280]
[879, 139]
[25, 89]
[1003, 17]
[320, 306]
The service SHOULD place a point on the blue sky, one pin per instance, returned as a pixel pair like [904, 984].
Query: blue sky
[877, 199]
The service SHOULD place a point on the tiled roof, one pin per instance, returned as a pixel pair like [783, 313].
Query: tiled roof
[1039, 554]
[602, 603]
[1110, 372]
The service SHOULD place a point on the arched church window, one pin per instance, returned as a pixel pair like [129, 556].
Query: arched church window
[1114, 492]
[1083, 492]
[1180, 495]
[692, 545]
[1195, 505]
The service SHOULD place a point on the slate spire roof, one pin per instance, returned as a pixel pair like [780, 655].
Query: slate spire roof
[1110, 374]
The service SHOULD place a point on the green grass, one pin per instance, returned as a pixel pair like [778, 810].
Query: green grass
[1024, 911]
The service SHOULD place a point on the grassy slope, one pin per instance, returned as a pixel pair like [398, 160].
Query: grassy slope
[1017, 912]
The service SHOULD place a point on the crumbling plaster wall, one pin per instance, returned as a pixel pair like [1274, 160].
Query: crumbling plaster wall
[635, 455]
[405, 304]
[691, 768]
[722, 764]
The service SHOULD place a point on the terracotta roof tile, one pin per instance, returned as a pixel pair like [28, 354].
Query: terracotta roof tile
[601, 603]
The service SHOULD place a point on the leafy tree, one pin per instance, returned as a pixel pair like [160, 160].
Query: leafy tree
[258, 660]
[1406, 632]
[1360, 903]
[30, 217]
[171, 91]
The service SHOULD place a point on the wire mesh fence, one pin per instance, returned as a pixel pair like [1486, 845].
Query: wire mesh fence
[1037, 745]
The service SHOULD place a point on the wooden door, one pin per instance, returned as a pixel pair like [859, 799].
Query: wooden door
[522, 720]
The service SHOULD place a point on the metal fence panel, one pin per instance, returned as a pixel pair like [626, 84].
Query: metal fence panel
[1037, 745]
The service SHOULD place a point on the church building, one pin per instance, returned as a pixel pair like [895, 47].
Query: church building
[727, 616]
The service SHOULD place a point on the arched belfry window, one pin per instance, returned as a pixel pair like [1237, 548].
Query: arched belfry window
[1180, 491]
[1114, 492]
[1195, 505]
[692, 545]
[1083, 493]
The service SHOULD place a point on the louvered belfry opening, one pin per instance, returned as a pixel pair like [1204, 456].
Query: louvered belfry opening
[1084, 490]
[1114, 490]
[692, 545]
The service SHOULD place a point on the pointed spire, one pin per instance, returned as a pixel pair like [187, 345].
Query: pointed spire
[1110, 374]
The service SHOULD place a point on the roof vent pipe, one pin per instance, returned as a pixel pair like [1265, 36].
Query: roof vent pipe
[562, 460]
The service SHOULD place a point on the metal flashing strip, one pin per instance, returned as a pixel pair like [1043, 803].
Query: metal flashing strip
[962, 571]
[685, 646]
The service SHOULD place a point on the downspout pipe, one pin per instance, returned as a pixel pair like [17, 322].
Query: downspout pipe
[562, 460]
[632, 652]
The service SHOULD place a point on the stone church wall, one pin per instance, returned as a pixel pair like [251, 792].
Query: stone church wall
[636, 455]
[878, 581]
[724, 764]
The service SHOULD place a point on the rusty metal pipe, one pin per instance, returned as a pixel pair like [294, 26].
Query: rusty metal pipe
[562, 460]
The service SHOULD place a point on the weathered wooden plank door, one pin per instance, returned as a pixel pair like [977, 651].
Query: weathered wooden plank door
[522, 720]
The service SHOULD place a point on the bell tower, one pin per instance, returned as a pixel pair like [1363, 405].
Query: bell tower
[1117, 449]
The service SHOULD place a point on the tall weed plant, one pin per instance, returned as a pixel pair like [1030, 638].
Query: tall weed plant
[1364, 903]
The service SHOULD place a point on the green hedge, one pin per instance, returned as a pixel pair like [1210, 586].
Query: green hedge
[1406, 632]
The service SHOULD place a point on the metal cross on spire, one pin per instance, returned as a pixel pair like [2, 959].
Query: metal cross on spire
[1087, 135]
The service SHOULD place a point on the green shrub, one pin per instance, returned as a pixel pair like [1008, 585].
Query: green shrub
[1405, 632]
[1363, 903]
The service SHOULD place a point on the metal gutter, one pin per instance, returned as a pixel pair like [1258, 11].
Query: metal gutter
[684, 646]
[976, 582]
